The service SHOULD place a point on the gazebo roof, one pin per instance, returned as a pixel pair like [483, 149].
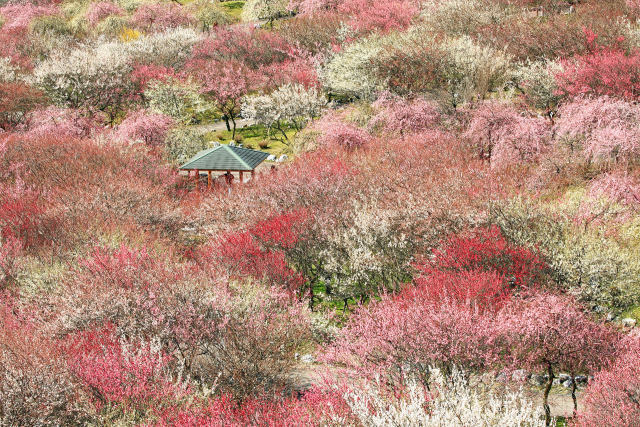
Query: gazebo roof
[226, 158]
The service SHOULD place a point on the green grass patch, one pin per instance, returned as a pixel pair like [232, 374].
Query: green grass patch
[633, 312]
[233, 8]
[255, 137]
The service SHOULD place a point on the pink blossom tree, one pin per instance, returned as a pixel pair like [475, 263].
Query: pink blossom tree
[101, 10]
[335, 132]
[551, 332]
[404, 116]
[368, 16]
[618, 187]
[160, 16]
[613, 396]
[607, 128]
[150, 128]
[225, 83]
[504, 136]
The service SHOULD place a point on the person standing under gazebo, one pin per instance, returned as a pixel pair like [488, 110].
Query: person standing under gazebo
[228, 177]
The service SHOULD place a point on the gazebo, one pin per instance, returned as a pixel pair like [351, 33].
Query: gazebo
[224, 158]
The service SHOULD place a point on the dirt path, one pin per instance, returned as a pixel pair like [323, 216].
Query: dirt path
[222, 126]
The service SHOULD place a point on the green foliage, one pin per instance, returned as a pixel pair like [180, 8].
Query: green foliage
[234, 9]
[46, 26]
[112, 25]
[599, 269]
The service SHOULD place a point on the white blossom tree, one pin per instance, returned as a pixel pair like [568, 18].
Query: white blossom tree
[267, 10]
[290, 105]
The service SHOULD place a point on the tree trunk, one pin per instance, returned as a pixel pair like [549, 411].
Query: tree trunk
[574, 386]
[233, 134]
[547, 389]
[226, 121]
[311, 300]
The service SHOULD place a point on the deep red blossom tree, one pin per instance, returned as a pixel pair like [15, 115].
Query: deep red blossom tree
[486, 249]
[603, 71]
[551, 332]
[262, 251]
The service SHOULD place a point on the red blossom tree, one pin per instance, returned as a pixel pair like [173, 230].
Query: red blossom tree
[485, 249]
[603, 71]
[132, 375]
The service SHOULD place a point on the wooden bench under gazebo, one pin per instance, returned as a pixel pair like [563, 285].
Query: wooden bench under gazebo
[224, 158]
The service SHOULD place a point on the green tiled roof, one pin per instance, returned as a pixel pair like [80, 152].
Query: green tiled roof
[226, 157]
